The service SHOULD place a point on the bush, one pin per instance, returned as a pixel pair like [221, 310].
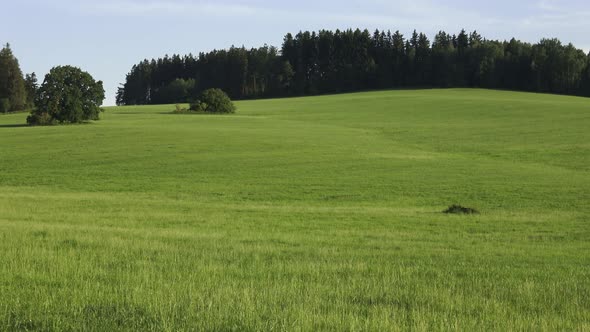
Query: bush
[180, 109]
[198, 106]
[4, 105]
[40, 119]
[214, 101]
[67, 95]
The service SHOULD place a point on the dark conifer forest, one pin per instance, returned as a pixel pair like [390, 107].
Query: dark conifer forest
[311, 63]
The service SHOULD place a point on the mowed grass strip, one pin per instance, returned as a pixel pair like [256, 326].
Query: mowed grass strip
[320, 213]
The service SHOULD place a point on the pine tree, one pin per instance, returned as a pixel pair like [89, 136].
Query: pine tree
[423, 61]
[12, 84]
[474, 39]
[462, 42]
[31, 86]
[399, 54]
[443, 53]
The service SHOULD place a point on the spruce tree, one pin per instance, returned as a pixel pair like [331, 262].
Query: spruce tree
[31, 87]
[462, 41]
[12, 85]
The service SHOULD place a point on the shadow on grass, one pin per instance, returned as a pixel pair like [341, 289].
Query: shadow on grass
[132, 113]
[23, 125]
[196, 113]
[14, 125]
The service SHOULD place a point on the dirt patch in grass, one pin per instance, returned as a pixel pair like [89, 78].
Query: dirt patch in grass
[458, 209]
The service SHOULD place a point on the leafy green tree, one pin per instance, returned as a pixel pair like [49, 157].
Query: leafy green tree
[557, 68]
[67, 95]
[4, 105]
[177, 91]
[281, 78]
[12, 84]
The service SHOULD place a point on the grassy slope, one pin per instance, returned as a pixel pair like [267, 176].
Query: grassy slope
[302, 214]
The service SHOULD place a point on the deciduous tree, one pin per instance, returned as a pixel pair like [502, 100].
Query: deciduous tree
[67, 95]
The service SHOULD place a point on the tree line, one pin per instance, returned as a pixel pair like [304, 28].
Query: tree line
[322, 62]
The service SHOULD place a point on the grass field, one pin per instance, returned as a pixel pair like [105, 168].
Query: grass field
[302, 214]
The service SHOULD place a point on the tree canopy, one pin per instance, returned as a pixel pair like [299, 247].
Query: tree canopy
[341, 61]
[67, 95]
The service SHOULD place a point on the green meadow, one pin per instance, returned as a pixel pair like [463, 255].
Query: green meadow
[302, 214]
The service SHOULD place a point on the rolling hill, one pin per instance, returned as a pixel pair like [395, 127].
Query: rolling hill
[302, 214]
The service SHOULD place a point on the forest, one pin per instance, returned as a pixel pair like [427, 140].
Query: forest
[312, 63]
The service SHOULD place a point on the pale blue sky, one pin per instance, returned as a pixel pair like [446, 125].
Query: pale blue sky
[107, 37]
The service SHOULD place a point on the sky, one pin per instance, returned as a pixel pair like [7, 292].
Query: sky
[107, 37]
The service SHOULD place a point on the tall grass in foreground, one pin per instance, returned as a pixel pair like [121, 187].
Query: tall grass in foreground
[304, 214]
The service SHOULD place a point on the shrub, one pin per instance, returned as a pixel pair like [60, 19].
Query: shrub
[40, 119]
[458, 209]
[198, 106]
[4, 105]
[67, 95]
[180, 109]
[214, 101]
